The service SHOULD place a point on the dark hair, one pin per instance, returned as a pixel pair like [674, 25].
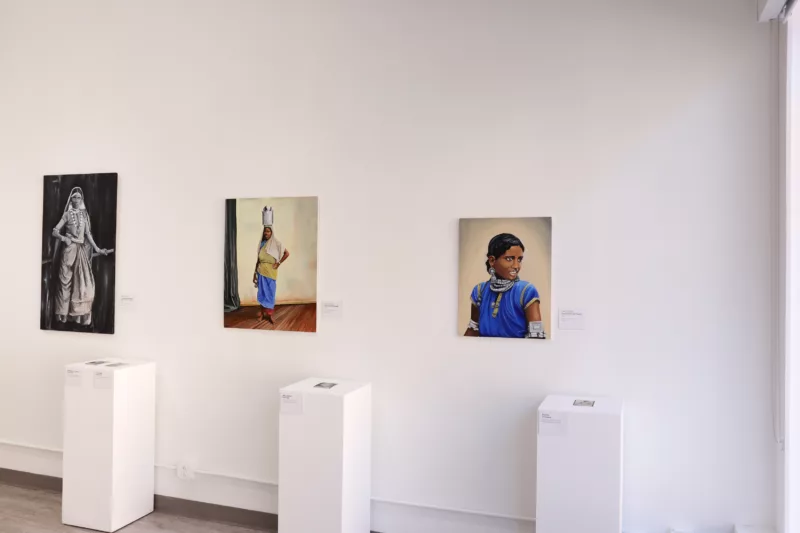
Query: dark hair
[500, 245]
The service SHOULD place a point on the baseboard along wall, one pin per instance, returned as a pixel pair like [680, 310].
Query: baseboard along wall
[244, 493]
[207, 512]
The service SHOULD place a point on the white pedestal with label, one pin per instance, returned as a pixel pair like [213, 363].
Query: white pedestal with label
[109, 443]
[579, 465]
[325, 457]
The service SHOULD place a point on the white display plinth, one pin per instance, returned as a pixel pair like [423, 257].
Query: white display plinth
[109, 443]
[579, 465]
[325, 457]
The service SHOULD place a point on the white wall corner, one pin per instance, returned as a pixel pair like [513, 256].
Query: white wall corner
[769, 9]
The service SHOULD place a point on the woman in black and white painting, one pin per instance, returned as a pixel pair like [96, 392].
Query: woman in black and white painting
[75, 295]
[77, 280]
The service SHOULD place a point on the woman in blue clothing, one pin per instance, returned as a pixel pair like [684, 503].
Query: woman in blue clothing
[505, 306]
[271, 255]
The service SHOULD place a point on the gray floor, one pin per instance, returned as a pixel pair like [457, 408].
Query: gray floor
[34, 511]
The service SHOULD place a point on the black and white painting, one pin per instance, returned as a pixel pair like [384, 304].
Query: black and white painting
[79, 234]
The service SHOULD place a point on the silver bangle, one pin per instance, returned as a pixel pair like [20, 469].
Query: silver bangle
[535, 330]
[474, 326]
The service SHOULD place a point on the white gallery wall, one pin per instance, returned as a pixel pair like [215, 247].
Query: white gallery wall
[642, 127]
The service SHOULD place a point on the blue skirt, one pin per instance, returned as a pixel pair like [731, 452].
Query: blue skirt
[266, 292]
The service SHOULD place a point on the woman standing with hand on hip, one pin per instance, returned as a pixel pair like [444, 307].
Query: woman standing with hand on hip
[76, 290]
[271, 255]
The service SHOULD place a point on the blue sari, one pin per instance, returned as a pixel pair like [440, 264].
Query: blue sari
[502, 314]
[266, 291]
[267, 275]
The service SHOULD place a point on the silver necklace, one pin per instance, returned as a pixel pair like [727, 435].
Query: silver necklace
[500, 285]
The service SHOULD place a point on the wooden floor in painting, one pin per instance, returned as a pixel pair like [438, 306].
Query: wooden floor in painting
[300, 317]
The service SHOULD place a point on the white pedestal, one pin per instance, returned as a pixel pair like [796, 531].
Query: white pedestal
[579, 465]
[325, 457]
[109, 443]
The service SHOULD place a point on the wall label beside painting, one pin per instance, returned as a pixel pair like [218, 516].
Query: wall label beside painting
[571, 319]
[332, 309]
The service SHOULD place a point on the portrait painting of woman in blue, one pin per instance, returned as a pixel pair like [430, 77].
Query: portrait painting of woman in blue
[505, 305]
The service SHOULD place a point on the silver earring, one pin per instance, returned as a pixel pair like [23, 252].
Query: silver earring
[492, 271]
